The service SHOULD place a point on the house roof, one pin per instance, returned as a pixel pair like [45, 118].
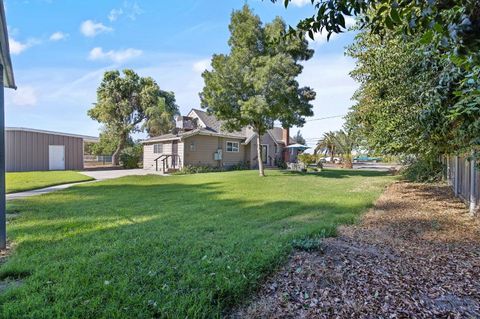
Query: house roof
[86, 138]
[211, 126]
[214, 124]
[8, 79]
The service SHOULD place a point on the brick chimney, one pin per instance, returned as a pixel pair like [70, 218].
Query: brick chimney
[286, 136]
[286, 140]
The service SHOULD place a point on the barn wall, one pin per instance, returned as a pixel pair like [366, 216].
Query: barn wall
[28, 151]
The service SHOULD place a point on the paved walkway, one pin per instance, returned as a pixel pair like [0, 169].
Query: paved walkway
[109, 174]
[98, 175]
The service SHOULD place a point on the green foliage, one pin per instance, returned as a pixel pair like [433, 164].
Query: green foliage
[298, 138]
[280, 163]
[160, 119]
[308, 244]
[345, 143]
[195, 169]
[123, 103]
[169, 247]
[419, 67]
[424, 169]
[307, 159]
[131, 156]
[266, 91]
[88, 148]
[108, 142]
[327, 144]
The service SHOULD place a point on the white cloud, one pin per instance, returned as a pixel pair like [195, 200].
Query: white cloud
[90, 28]
[134, 10]
[115, 14]
[117, 56]
[202, 65]
[57, 36]
[24, 96]
[300, 3]
[130, 10]
[17, 47]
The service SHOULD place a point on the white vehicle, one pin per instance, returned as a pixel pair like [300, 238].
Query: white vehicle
[336, 160]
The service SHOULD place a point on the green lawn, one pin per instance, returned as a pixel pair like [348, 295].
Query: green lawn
[172, 247]
[23, 181]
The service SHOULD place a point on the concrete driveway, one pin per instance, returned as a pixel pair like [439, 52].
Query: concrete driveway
[100, 175]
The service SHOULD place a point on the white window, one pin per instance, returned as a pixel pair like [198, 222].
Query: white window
[157, 148]
[193, 147]
[276, 148]
[233, 146]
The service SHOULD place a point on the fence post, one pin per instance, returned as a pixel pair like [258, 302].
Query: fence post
[472, 183]
[455, 181]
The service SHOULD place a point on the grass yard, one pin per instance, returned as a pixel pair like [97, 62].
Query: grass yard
[23, 181]
[172, 247]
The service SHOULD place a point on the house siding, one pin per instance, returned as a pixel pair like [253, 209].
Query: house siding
[266, 139]
[29, 151]
[206, 146]
[149, 157]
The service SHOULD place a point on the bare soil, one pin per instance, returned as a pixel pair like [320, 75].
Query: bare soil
[416, 254]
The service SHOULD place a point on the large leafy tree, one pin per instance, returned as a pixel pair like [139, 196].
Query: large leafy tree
[441, 37]
[159, 120]
[126, 102]
[255, 84]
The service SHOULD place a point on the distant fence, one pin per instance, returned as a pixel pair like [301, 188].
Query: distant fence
[96, 160]
[463, 176]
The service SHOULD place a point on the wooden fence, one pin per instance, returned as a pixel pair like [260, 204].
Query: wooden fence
[464, 177]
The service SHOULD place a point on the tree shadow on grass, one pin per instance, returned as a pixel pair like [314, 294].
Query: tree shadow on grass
[338, 173]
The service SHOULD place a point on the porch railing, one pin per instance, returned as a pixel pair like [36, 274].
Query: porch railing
[167, 161]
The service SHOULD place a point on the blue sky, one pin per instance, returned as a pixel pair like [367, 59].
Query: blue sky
[60, 49]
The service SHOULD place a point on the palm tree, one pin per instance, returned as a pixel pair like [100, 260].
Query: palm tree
[327, 143]
[344, 144]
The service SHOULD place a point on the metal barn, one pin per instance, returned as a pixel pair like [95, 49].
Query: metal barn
[38, 150]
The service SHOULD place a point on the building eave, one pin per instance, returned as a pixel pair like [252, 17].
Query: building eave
[85, 138]
[5, 60]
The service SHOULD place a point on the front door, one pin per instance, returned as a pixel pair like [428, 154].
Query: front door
[264, 154]
[56, 157]
[174, 153]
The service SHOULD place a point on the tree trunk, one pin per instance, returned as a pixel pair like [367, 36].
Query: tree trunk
[120, 147]
[348, 161]
[261, 170]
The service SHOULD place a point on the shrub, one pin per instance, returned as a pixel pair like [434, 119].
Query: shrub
[280, 163]
[424, 169]
[197, 169]
[308, 244]
[131, 156]
[239, 167]
[307, 159]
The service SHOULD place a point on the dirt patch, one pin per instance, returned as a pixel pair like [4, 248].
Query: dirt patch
[415, 255]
